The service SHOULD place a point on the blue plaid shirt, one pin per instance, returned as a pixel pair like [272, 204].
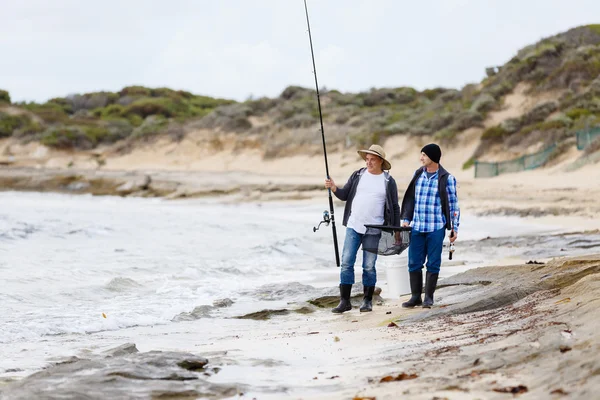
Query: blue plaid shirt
[428, 216]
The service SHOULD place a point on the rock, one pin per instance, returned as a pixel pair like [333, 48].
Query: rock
[193, 363]
[220, 303]
[264, 314]
[134, 185]
[325, 301]
[78, 186]
[152, 375]
[197, 313]
[280, 292]
[127, 348]
[495, 298]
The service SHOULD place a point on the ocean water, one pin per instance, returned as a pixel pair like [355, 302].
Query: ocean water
[72, 267]
[66, 260]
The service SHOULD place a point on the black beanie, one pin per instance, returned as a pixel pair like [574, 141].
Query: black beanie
[433, 151]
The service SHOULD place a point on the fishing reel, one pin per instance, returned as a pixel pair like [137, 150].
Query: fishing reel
[450, 251]
[451, 248]
[326, 220]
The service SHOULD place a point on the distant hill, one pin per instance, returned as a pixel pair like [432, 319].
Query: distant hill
[559, 77]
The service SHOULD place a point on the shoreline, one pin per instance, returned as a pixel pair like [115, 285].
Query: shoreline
[522, 329]
[527, 194]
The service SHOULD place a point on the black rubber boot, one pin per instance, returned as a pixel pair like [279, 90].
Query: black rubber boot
[367, 304]
[430, 284]
[344, 300]
[416, 287]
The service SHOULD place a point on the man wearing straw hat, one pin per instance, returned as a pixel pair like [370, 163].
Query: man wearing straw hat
[431, 204]
[371, 197]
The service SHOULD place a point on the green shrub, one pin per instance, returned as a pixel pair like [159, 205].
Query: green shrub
[577, 113]
[119, 128]
[544, 126]
[66, 138]
[595, 28]
[209, 102]
[96, 134]
[576, 69]
[65, 105]
[49, 112]
[4, 96]
[483, 103]
[135, 91]
[261, 105]
[109, 112]
[469, 163]
[174, 94]
[494, 133]
[433, 93]
[585, 122]
[80, 137]
[29, 129]
[150, 127]
[146, 107]
[10, 123]
[170, 107]
[445, 134]
[378, 137]
[294, 92]
[500, 89]
[553, 124]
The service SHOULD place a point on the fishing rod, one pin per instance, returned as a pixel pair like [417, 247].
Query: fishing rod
[327, 217]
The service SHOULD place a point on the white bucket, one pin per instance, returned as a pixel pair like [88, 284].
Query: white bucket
[397, 280]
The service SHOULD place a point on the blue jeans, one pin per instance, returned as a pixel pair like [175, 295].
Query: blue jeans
[351, 245]
[425, 244]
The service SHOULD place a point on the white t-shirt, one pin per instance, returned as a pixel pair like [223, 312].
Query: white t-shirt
[368, 203]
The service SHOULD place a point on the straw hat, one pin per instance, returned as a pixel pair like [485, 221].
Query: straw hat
[377, 150]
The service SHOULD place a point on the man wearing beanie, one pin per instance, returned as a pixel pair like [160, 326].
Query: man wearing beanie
[431, 205]
[371, 197]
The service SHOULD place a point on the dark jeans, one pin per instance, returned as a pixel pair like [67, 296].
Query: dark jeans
[426, 244]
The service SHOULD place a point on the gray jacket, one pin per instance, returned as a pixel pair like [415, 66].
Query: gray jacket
[391, 211]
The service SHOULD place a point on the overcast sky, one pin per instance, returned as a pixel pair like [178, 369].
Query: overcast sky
[238, 48]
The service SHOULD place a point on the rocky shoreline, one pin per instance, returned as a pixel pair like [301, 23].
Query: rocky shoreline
[167, 184]
[528, 330]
